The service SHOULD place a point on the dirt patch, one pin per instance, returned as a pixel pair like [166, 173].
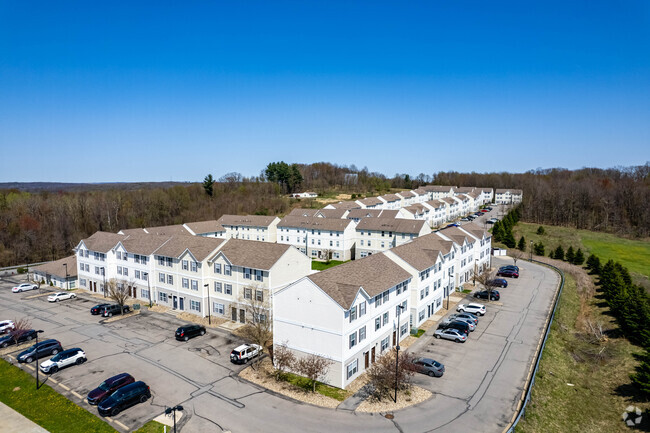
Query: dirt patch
[158, 308]
[405, 399]
[201, 320]
[122, 316]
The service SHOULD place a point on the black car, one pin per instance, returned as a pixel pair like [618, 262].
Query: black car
[8, 340]
[108, 387]
[483, 294]
[511, 267]
[455, 324]
[498, 282]
[508, 273]
[125, 397]
[39, 350]
[186, 332]
[111, 309]
[97, 309]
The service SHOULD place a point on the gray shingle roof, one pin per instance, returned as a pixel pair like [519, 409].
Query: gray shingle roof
[252, 254]
[199, 246]
[373, 213]
[200, 227]
[345, 205]
[370, 201]
[176, 229]
[246, 220]
[395, 225]
[422, 253]
[316, 223]
[56, 267]
[103, 242]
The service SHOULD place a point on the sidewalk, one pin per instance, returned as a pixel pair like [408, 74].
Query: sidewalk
[13, 422]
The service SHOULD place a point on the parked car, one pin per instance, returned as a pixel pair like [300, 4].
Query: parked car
[473, 308]
[488, 208]
[460, 325]
[6, 326]
[40, 350]
[108, 387]
[507, 273]
[63, 359]
[428, 366]
[186, 332]
[464, 316]
[513, 267]
[24, 287]
[498, 282]
[125, 397]
[490, 222]
[111, 309]
[450, 334]
[464, 220]
[97, 309]
[60, 296]
[452, 225]
[242, 354]
[494, 295]
[10, 339]
[484, 210]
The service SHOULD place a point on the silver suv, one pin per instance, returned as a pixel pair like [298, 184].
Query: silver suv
[242, 354]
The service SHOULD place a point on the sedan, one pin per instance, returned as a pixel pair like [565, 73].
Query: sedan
[428, 366]
[498, 282]
[464, 316]
[63, 359]
[450, 334]
[6, 326]
[471, 308]
[508, 273]
[513, 267]
[21, 337]
[484, 210]
[189, 331]
[59, 296]
[494, 295]
[108, 387]
[23, 287]
[97, 309]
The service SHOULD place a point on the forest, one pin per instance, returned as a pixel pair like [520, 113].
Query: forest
[42, 225]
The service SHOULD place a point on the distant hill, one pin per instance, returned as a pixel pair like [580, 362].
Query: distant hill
[78, 187]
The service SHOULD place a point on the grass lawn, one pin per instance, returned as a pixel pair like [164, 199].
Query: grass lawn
[153, 427]
[321, 266]
[45, 407]
[321, 388]
[596, 398]
[633, 254]
[419, 334]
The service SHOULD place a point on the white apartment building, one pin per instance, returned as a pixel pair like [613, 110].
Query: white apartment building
[418, 212]
[316, 236]
[390, 201]
[350, 314]
[370, 203]
[453, 207]
[321, 213]
[508, 196]
[375, 235]
[438, 191]
[438, 214]
[60, 273]
[408, 198]
[465, 244]
[249, 227]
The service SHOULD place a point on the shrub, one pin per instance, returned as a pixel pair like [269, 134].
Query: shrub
[558, 254]
[539, 248]
[579, 258]
[541, 231]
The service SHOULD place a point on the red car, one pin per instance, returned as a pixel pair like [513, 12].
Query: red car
[484, 210]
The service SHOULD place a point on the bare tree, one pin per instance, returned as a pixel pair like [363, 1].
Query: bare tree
[487, 280]
[118, 291]
[515, 254]
[283, 359]
[21, 326]
[327, 253]
[313, 367]
[259, 321]
[382, 375]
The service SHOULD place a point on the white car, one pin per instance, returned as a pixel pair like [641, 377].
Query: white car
[63, 359]
[23, 287]
[6, 326]
[471, 308]
[59, 296]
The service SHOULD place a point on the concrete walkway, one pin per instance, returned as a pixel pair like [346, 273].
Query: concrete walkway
[13, 422]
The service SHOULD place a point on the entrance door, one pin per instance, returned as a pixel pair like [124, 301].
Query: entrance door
[367, 363]
[394, 338]
[372, 355]
[180, 300]
[242, 316]
[175, 302]
[94, 286]
[234, 314]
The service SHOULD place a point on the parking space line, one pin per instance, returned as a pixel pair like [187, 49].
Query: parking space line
[77, 395]
[54, 381]
[30, 367]
[109, 419]
[121, 425]
[64, 387]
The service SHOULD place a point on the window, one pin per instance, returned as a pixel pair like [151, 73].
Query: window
[362, 308]
[353, 340]
[384, 344]
[422, 294]
[403, 329]
[228, 289]
[362, 334]
[386, 293]
[247, 293]
[195, 305]
[145, 276]
[161, 277]
[377, 323]
[195, 285]
[217, 287]
[353, 313]
[186, 283]
[385, 318]
[168, 261]
[193, 266]
[247, 274]
[218, 308]
[170, 279]
[161, 261]
[162, 296]
[118, 255]
[145, 293]
[97, 268]
[361, 242]
[259, 295]
[353, 367]
[258, 275]
[137, 274]
[421, 316]
[119, 270]
[227, 270]
[82, 281]
[184, 265]
[378, 300]
[125, 271]
[217, 268]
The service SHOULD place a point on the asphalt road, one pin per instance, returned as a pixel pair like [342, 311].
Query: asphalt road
[480, 390]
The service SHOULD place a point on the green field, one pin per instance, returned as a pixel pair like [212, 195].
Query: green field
[633, 254]
[321, 266]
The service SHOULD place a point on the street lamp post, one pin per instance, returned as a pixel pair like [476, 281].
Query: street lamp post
[448, 289]
[207, 286]
[67, 286]
[146, 274]
[399, 313]
[531, 250]
[36, 359]
[475, 270]
[173, 410]
[104, 275]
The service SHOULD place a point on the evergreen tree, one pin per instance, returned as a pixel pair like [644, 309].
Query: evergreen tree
[539, 248]
[579, 258]
[551, 254]
[642, 376]
[593, 264]
[208, 185]
[541, 231]
[559, 253]
[509, 240]
[522, 244]
[497, 232]
[570, 254]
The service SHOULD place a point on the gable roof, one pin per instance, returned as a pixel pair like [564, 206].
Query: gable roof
[199, 227]
[464, 189]
[406, 194]
[457, 235]
[200, 247]
[331, 213]
[475, 230]
[252, 254]
[372, 213]
[176, 229]
[102, 242]
[370, 201]
[144, 244]
[374, 274]
[438, 188]
[316, 223]
[435, 203]
[395, 225]
[421, 255]
[390, 197]
[417, 208]
[449, 200]
[345, 205]
[57, 267]
[246, 220]
[304, 212]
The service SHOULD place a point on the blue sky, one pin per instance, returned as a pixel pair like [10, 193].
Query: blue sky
[176, 90]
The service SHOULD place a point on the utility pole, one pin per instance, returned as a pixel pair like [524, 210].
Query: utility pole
[207, 287]
[399, 313]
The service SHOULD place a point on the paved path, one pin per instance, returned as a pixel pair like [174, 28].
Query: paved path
[13, 422]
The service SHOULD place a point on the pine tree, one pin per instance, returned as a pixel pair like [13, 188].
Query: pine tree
[559, 253]
[509, 240]
[570, 255]
[579, 258]
[539, 248]
[593, 264]
[522, 244]
[642, 376]
[497, 232]
[541, 231]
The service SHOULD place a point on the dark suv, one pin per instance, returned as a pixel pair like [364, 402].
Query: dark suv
[8, 340]
[109, 310]
[127, 396]
[108, 387]
[494, 295]
[456, 324]
[186, 332]
[97, 309]
[43, 348]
